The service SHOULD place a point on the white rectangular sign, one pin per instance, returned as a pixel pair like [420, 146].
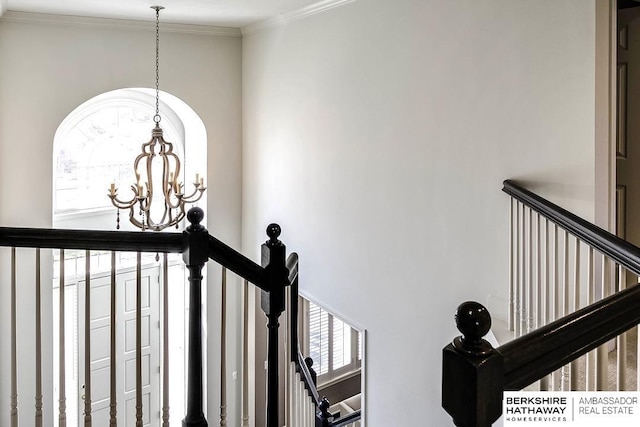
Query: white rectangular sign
[571, 408]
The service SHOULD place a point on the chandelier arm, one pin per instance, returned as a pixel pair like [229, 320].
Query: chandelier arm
[176, 172]
[189, 200]
[166, 185]
[166, 168]
[120, 204]
[134, 220]
[149, 182]
[175, 205]
[181, 214]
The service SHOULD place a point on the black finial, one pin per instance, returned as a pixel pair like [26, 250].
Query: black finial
[314, 375]
[324, 408]
[474, 322]
[273, 231]
[195, 217]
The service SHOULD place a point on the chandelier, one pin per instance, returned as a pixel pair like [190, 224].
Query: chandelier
[156, 205]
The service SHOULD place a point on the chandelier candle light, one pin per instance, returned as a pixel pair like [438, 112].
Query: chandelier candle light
[157, 155]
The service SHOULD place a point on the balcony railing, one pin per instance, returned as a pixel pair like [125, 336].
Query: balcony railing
[294, 401]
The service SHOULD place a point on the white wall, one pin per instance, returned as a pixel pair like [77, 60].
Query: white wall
[378, 135]
[49, 66]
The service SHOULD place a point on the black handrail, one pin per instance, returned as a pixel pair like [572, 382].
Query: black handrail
[96, 240]
[307, 378]
[536, 354]
[621, 251]
[347, 419]
[292, 266]
[238, 263]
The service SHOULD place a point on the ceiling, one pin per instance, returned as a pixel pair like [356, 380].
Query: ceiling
[224, 13]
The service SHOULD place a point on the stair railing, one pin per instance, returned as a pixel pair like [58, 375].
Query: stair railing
[197, 247]
[559, 263]
[307, 408]
[475, 374]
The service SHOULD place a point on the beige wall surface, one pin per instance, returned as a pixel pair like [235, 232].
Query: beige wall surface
[49, 66]
[378, 135]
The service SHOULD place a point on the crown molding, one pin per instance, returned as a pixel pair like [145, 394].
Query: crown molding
[294, 15]
[118, 24]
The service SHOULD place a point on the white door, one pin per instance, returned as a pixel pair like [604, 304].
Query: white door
[628, 127]
[125, 348]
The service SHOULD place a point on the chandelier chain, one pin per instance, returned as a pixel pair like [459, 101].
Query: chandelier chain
[158, 155]
[157, 116]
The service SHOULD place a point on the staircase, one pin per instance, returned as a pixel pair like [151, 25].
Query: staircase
[574, 308]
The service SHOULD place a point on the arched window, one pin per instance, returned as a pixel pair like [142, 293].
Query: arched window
[97, 143]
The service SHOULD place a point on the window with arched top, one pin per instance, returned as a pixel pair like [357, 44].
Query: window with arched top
[97, 143]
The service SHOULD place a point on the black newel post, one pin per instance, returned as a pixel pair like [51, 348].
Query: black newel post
[323, 417]
[272, 303]
[195, 256]
[472, 371]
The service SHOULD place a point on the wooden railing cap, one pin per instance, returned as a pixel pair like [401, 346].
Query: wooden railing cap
[273, 231]
[474, 322]
[195, 217]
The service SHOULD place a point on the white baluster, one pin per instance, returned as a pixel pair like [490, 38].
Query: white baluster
[87, 340]
[522, 303]
[245, 356]
[591, 291]
[518, 298]
[138, 339]
[62, 400]
[602, 352]
[113, 404]
[165, 340]
[512, 271]
[38, 420]
[546, 383]
[294, 396]
[638, 357]
[575, 306]
[530, 287]
[286, 350]
[14, 327]
[223, 351]
[566, 288]
[539, 282]
[621, 341]
[556, 377]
